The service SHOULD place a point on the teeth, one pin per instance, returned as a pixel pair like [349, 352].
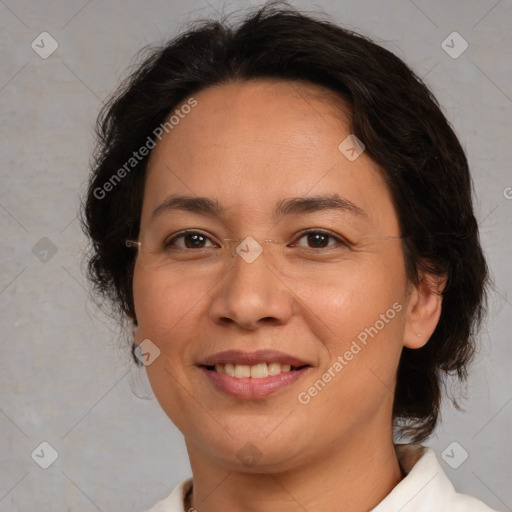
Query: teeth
[256, 371]
[274, 369]
[259, 371]
[242, 370]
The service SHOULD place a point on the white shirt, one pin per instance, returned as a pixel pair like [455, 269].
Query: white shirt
[425, 488]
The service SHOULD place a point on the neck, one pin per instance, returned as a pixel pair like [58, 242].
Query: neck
[354, 475]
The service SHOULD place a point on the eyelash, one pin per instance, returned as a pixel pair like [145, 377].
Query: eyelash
[169, 243]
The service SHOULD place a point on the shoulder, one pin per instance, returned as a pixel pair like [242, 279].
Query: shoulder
[426, 487]
[174, 502]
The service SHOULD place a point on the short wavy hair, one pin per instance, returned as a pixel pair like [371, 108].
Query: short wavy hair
[393, 113]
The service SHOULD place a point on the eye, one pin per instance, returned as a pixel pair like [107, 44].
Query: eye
[188, 240]
[319, 239]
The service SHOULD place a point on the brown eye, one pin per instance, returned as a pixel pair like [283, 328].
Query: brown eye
[320, 240]
[189, 240]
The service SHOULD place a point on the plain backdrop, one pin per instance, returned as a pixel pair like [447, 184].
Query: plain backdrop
[65, 376]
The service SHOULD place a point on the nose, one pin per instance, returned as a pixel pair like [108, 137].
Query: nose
[251, 295]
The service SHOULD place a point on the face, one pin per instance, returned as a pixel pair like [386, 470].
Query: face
[328, 296]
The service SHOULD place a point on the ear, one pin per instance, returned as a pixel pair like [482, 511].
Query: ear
[423, 310]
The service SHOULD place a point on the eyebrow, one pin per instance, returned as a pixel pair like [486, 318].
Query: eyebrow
[316, 203]
[291, 206]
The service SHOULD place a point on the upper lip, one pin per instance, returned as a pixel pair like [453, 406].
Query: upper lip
[252, 358]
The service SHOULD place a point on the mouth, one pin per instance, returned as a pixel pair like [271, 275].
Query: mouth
[253, 375]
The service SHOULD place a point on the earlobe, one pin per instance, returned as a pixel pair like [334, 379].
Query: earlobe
[135, 334]
[423, 310]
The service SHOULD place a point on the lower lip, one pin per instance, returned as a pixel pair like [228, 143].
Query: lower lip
[249, 388]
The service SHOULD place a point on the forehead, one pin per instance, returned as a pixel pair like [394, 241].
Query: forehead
[252, 144]
[263, 122]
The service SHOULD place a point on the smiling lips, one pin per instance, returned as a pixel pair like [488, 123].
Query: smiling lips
[252, 375]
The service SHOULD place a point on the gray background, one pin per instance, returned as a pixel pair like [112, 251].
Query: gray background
[64, 376]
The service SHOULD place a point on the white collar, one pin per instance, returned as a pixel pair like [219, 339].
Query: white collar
[426, 488]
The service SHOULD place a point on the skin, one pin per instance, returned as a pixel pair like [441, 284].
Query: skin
[250, 145]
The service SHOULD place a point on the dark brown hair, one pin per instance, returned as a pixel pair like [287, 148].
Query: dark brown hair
[393, 113]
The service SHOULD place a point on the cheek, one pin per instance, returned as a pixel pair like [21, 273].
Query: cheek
[357, 373]
[167, 312]
[162, 303]
[362, 317]
[354, 299]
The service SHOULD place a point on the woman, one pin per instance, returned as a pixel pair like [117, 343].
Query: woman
[285, 215]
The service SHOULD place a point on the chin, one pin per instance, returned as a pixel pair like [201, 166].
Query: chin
[249, 448]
